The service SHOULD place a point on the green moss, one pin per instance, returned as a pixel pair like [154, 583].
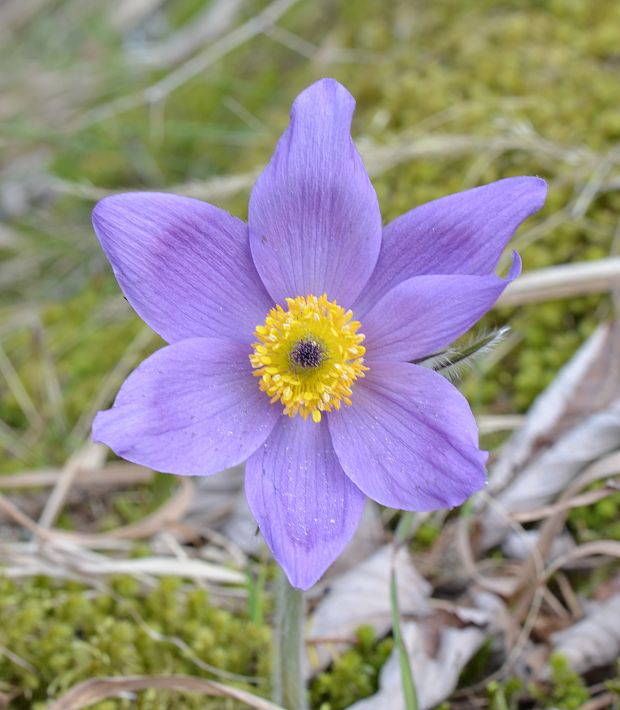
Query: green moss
[504, 695]
[614, 685]
[596, 521]
[61, 634]
[567, 690]
[353, 675]
[426, 535]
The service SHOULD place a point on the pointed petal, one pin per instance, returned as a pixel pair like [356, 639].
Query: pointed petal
[464, 233]
[193, 408]
[184, 265]
[424, 314]
[409, 440]
[314, 219]
[305, 506]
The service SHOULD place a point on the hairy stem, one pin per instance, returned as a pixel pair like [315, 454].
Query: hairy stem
[289, 688]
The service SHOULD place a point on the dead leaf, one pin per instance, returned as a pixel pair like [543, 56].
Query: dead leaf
[361, 596]
[574, 422]
[438, 651]
[214, 498]
[595, 640]
[547, 412]
[607, 589]
[518, 545]
[368, 538]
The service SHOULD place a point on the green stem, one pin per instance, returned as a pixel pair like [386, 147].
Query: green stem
[289, 689]
[403, 533]
[409, 690]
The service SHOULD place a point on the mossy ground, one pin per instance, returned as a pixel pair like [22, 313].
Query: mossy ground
[63, 633]
[540, 76]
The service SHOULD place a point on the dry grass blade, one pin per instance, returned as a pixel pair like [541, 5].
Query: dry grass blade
[89, 456]
[143, 340]
[214, 21]
[92, 691]
[8, 371]
[68, 552]
[10, 441]
[550, 529]
[127, 14]
[110, 476]
[74, 562]
[563, 281]
[491, 423]
[602, 702]
[170, 512]
[159, 91]
[576, 502]
[162, 567]
[607, 548]
[17, 13]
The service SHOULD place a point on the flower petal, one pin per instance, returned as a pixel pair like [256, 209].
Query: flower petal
[184, 265]
[409, 440]
[305, 506]
[315, 224]
[192, 408]
[464, 233]
[424, 314]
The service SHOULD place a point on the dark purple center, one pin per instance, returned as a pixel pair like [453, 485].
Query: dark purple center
[307, 353]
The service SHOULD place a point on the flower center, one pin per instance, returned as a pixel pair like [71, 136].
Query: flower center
[308, 356]
[306, 353]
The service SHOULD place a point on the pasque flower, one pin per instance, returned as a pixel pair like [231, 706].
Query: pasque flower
[293, 338]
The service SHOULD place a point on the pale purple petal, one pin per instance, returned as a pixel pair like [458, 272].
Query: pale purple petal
[464, 233]
[314, 219]
[305, 506]
[184, 265]
[425, 313]
[192, 408]
[409, 440]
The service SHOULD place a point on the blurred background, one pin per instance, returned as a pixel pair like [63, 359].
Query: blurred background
[112, 570]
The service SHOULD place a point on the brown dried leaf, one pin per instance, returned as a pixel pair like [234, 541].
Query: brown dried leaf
[362, 596]
[595, 640]
[549, 411]
[439, 648]
[573, 423]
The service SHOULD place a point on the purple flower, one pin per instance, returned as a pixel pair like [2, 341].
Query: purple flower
[291, 338]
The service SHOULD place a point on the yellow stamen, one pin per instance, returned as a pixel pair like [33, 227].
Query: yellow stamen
[308, 357]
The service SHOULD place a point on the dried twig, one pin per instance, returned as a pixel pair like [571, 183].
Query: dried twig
[91, 691]
[89, 456]
[563, 281]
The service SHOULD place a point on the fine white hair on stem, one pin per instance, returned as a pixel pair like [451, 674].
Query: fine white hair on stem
[453, 362]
